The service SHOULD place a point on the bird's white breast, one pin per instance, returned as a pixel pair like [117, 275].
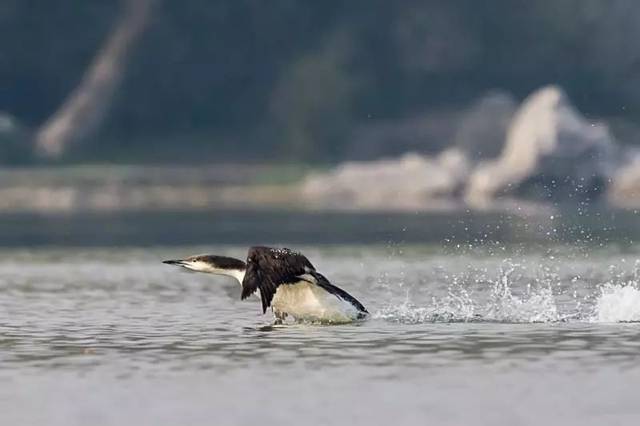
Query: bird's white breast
[308, 302]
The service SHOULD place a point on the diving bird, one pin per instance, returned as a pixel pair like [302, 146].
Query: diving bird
[284, 280]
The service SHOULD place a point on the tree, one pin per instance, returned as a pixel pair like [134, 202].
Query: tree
[311, 103]
[85, 107]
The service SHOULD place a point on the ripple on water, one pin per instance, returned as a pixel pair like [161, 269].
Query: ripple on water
[429, 311]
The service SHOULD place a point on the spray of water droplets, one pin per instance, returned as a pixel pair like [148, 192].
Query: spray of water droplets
[512, 297]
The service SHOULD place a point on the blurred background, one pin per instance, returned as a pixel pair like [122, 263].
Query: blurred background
[154, 121]
[469, 170]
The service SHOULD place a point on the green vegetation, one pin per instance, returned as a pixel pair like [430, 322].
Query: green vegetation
[244, 80]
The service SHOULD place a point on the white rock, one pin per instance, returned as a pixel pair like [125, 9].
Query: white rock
[551, 148]
[410, 181]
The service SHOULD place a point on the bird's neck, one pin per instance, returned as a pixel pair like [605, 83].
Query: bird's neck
[234, 273]
[238, 275]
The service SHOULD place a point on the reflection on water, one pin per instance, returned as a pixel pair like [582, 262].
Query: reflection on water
[110, 324]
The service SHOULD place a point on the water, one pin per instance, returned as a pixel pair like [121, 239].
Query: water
[491, 335]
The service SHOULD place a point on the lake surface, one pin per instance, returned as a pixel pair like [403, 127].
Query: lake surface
[459, 335]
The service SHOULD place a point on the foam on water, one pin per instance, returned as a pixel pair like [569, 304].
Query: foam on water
[618, 303]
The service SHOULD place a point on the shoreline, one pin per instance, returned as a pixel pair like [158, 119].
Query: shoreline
[120, 189]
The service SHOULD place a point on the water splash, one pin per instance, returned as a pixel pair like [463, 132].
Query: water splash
[618, 303]
[619, 299]
[512, 298]
[535, 305]
[457, 306]
[538, 307]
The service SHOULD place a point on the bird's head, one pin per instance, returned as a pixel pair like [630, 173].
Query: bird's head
[210, 263]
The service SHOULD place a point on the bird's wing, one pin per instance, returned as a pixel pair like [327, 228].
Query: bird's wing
[268, 268]
[324, 283]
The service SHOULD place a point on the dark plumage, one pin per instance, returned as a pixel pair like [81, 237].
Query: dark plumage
[325, 284]
[267, 268]
[222, 262]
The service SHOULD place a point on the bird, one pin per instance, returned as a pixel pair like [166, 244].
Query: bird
[286, 281]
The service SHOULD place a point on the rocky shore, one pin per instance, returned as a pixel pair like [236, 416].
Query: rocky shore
[73, 189]
[540, 154]
[531, 157]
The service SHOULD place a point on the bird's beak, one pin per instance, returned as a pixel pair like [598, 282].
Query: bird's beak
[174, 262]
